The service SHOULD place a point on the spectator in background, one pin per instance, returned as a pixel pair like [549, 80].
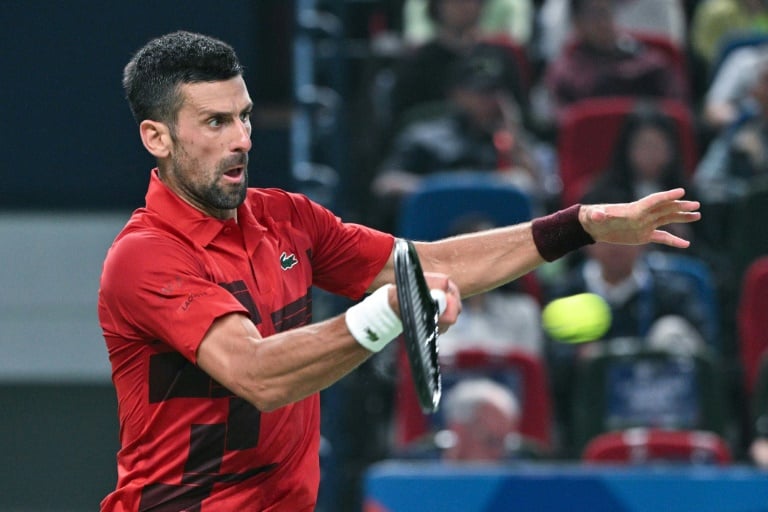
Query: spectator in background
[665, 18]
[739, 155]
[647, 156]
[482, 415]
[648, 308]
[604, 60]
[478, 129]
[513, 18]
[480, 423]
[654, 307]
[728, 99]
[716, 21]
[637, 295]
[422, 75]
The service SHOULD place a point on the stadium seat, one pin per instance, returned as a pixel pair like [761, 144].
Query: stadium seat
[444, 199]
[752, 320]
[654, 446]
[431, 212]
[524, 374]
[627, 388]
[589, 129]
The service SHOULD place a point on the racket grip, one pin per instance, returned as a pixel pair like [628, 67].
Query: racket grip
[440, 299]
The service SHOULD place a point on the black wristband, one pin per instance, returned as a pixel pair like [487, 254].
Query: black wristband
[559, 233]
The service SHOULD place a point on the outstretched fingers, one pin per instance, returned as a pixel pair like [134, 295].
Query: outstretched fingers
[660, 236]
[650, 201]
[669, 207]
[675, 212]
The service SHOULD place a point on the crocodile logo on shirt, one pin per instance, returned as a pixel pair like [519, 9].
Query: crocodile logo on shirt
[288, 261]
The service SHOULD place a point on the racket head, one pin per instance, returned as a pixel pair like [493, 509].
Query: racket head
[419, 313]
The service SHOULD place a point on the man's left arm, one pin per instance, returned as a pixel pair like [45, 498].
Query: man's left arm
[481, 261]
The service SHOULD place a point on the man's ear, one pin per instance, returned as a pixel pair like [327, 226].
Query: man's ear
[156, 137]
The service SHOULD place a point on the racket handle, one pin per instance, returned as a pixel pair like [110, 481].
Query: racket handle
[440, 298]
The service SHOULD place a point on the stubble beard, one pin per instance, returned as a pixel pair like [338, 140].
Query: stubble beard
[206, 187]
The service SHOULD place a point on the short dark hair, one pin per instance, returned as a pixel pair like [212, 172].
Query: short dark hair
[152, 77]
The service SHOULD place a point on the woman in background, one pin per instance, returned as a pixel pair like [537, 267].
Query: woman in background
[647, 156]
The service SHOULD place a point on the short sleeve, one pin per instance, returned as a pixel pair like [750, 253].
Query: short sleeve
[155, 287]
[346, 257]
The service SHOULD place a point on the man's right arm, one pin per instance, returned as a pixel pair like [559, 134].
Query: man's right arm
[283, 368]
[280, 369]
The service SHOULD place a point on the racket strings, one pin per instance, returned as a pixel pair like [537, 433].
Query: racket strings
[420, 325]
[424, 309]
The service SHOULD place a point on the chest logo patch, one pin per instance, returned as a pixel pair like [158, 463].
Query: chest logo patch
[288, 261]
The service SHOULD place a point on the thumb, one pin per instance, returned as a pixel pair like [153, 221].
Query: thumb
[597, 214]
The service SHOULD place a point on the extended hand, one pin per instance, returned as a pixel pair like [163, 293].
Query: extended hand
[638, 222]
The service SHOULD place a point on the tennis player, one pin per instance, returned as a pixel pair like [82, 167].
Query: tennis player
[205, 300]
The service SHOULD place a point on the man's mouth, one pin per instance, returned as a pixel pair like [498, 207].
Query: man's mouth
[235, 173]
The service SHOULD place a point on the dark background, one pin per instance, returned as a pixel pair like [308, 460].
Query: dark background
[68, 138]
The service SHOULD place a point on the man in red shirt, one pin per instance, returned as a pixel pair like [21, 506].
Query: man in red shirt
[205, 298]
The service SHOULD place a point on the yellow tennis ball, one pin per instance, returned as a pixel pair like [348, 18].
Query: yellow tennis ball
[577, 318]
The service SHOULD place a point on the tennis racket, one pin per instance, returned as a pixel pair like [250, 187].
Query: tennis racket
[419, 311]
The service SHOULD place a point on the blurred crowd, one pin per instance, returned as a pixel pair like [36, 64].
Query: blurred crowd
[572, 101]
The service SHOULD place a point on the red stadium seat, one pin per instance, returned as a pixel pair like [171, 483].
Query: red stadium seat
[524, 373]
[753, 320]
[646, 446]
[589, 129]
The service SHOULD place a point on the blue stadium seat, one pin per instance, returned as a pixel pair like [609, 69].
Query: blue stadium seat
[443, 199]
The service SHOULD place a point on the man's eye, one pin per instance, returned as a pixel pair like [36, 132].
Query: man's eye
[214, 122]
[245, 117]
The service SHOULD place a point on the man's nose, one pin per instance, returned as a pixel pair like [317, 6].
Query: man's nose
[242, 141]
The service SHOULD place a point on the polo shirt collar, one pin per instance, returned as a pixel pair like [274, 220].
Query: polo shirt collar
[198, 226]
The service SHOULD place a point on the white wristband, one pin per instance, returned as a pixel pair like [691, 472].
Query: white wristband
[372, 322]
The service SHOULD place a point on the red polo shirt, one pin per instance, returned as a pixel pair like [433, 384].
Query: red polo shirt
[187, 443]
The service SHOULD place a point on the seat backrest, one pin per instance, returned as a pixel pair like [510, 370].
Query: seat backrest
[752, 320]
[651, 446]
[589, 130]
[442, 199]
[646, 388]
[522, 373]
